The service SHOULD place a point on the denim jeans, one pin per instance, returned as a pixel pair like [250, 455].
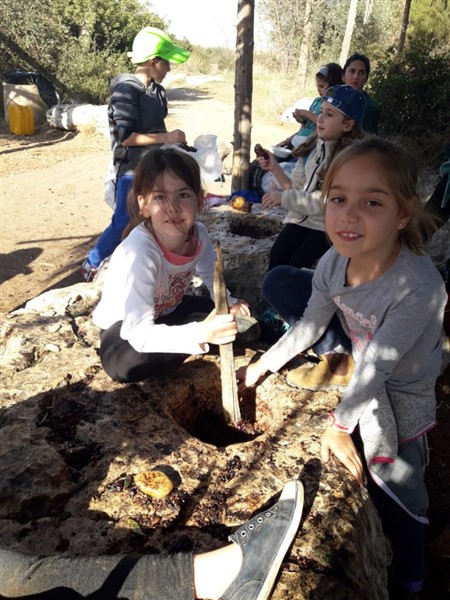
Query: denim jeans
[148, 577]
[112, 236]
[288, 290]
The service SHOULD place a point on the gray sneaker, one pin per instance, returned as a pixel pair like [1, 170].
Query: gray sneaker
[248, 329]
[264, 541]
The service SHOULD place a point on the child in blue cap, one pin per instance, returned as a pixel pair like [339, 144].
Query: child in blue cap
[302, 241]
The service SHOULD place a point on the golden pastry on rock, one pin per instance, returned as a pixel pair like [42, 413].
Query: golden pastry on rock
[153, 483]
[241, 204]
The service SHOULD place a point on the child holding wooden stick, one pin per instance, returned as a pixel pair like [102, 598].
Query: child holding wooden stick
[147, 320]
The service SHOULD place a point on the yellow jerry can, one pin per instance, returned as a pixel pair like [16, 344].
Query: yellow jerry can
[21, 120]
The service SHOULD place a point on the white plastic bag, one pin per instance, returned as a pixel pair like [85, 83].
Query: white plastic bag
[208, 156]
[269, 182]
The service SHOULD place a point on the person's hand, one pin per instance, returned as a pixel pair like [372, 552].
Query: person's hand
[176, 137]
[219, 329]
[271, 199]
[284, 143]
[341, 445]
[240, 308]
[267, 165]
[249, 375]
[299, 115]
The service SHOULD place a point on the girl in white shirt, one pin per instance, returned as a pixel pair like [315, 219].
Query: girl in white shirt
[146, 318]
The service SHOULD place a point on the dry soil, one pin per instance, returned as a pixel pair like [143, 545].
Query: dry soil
[52, 192]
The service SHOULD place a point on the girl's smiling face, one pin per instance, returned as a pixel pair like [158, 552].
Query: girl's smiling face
[363, 218]
[172, 207]
[331, 123]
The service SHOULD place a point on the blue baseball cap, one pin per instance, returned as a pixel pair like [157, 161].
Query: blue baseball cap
[349, 101]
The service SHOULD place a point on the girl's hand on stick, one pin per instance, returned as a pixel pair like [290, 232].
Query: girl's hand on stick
[219, 329]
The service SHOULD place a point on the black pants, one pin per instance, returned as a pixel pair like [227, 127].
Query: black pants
[124, 364]
[298, 246]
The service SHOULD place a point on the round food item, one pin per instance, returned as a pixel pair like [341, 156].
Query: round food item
[153, 483]
[241, 204]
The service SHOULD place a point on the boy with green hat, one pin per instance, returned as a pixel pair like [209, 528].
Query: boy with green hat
[136, 112]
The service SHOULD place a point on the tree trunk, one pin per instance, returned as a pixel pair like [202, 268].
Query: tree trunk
[243, 89]
[304, 46]
[405, 23]
[367, 12]
[351, 18]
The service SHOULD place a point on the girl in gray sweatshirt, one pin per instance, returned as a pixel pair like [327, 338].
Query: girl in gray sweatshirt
[372, 311]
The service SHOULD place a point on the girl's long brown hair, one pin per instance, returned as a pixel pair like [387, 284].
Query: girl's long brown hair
[401, 172]
[150, 168]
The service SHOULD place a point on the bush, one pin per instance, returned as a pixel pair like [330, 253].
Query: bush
[413, 94]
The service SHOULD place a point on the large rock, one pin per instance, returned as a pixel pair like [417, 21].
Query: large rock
[71, 441]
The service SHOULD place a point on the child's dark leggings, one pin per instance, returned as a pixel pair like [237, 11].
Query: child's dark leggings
[125, 365]
[288, 290]
[149, 577]
[407, 538]
[298, 246]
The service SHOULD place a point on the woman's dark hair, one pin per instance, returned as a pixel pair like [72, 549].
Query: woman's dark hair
[362, 57]
[334, 74]
[151, 168]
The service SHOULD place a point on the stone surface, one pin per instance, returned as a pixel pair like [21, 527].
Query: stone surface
[71, 441]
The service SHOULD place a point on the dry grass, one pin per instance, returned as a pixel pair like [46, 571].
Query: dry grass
[272, 93]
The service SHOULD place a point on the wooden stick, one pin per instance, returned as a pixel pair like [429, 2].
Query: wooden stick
[230, 400]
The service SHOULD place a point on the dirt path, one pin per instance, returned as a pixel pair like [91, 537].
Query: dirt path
[52, 193]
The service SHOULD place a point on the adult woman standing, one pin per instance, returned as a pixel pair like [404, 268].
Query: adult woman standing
[356, 73]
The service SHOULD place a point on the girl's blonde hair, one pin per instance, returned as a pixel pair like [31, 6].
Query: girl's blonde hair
[345, 140]
[149, 170]
[401, 174]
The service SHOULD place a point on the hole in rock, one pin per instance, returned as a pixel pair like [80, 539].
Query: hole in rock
[199, 411]
[257, 229]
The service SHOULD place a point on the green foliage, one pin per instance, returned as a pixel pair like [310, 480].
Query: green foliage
[430, 25]
[88, 74]
[211, 59]
[80, 45]
[38, 31]
[413, 94]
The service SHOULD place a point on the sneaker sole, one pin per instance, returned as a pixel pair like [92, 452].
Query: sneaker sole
[293, 490]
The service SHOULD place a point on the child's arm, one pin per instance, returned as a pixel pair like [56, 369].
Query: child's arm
[407, 342]
[125, 112]
[300, 336]
[304, 197]
[273, 166]
[177, 136]
[301, 114]
[303, 202]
